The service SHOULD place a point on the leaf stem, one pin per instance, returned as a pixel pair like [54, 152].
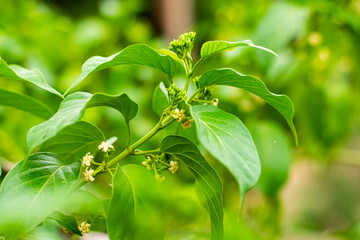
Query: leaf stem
[129, 134]
[138, 152]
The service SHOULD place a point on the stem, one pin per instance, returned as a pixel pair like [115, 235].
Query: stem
[138, 152]
[129, 134]
[194, 95]
[188, 70]
[195, 66]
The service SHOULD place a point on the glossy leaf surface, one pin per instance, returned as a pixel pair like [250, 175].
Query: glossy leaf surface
[230, 77]
[32, 191]
[33, 76]
[229, 141]
[72, 109]
[138, 54]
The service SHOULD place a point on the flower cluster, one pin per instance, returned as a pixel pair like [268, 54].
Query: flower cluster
[88, 175]
[178, 114]
[159, 163]
[183, 46]
[86, 161]
[84, 227]
[176, 94]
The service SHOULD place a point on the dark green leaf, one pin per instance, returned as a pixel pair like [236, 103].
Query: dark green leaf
[132, 202]
[160, 99]
[122, 103]
[230, 77]
[68, 222]
[139, 54]
[72, 109]
[33, 76]
[228, 140]
[205, 175]
[74, 141]
[25, 103]
[32, 191]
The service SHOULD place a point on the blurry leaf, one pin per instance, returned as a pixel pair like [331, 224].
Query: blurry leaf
[33, 76]
[205, 175]
[32, 191]
[139, 54]
[25, 103]
[72, 109]
[275, 156]
[68, 222]
[131, 214]
[230, 77]
[228, 140]
[74, 141]
[160, 99]
[211, 47]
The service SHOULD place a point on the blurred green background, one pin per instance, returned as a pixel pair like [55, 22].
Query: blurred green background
[306, 192]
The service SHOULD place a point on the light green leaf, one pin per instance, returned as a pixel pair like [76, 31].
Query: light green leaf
[160, 99]
[74, 141]
[25, 103]
[275, 156]
[32, 191]
[228, 140]
[71, 109]
[139, 54]
[33, 76]
[230, 77]
[205, 175]
[131, 203]
[211, 47]
[68, 222]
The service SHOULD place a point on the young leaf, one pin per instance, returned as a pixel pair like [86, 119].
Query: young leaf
[139, 54]
[131, 204]
[205, 175]
[25, 103]
[32, 191]
[68, 222]
[211, 47]
[160, 99]
[72, 109]
[230, 77]
[228, 140]
[74, 141]
[33, 76]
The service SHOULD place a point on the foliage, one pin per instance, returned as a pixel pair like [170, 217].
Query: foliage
[74, 153]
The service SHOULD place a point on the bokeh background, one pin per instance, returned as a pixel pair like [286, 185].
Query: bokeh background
[305, 192]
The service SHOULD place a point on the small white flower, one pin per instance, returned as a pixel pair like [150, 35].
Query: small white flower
[87, 159]
[105, 146]
[174, 165]
[88, 175]
[84, 227]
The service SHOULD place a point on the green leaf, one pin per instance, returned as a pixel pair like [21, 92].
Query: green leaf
[275, 156]
[71, 109]
[68, 222]
[0, 167]
[160, 99]
[228, 140]
[74, 141]
[25, 103]
[230, 77]
[122, 103]
[211, 47]
[32, 191]
[205, 175]
[139, 54]
[33, 76]
[130, 213]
